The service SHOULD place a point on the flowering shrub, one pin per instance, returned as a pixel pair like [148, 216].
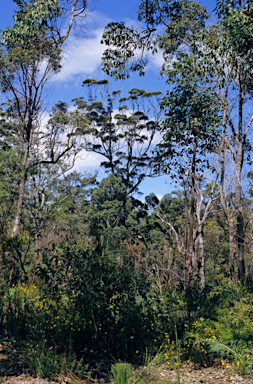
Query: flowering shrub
[93, 303]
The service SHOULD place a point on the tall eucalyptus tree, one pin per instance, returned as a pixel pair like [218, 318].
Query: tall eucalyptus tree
[31, 53]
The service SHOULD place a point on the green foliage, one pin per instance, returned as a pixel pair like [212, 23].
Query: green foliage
[46, 363]
[125, 295]
[111, 302]
[30, 40]
[242, 357]
[110, 208]
[122, 373]
[191, 114]
[182, 20]
[123, 141]
[17, 251]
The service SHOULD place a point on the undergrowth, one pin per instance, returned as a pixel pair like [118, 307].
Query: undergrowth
[69, 316]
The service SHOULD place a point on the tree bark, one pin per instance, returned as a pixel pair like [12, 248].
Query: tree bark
[231, 234]
[16, 225]
[201, 261]
[224, 205]
[238, 193]
[25, 165]
[189, 254]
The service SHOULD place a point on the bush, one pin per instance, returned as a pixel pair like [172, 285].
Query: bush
[92, 303]
[48, 364]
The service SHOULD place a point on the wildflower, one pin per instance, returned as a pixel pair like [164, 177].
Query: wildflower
[137, 351]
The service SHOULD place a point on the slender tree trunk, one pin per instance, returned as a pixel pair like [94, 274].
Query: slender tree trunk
[25, 165]
[189, 254]
[238, 194]
[240, 236]
[16, 225]
[224, 205]
[231, 233]
[201, 261]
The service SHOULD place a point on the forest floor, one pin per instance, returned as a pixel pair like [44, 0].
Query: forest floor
[12, 371]
[187, 376]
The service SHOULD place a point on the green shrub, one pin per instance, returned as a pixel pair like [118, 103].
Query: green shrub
[47, 363]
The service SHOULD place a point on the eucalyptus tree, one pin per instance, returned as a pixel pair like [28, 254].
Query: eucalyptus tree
[164, 24]
[31, 53]
[53, 154]
[190, 132]
[225, 52]
[123, 133]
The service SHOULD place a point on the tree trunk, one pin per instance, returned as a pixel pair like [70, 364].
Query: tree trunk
[231, 248]
[189, 254]
[16, 225]
[201, 261]
[25, 165]
[238, 192]
[240, 241]
[225, 207]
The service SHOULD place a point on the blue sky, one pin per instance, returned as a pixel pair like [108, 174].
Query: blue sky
[82, 60]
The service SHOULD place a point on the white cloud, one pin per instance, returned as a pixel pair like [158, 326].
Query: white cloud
[155, 62]
[82, 57]
[88, 160]
[43, 120]
[82, 54]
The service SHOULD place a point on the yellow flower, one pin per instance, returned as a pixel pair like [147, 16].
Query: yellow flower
[238, 363]
[137, 351]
